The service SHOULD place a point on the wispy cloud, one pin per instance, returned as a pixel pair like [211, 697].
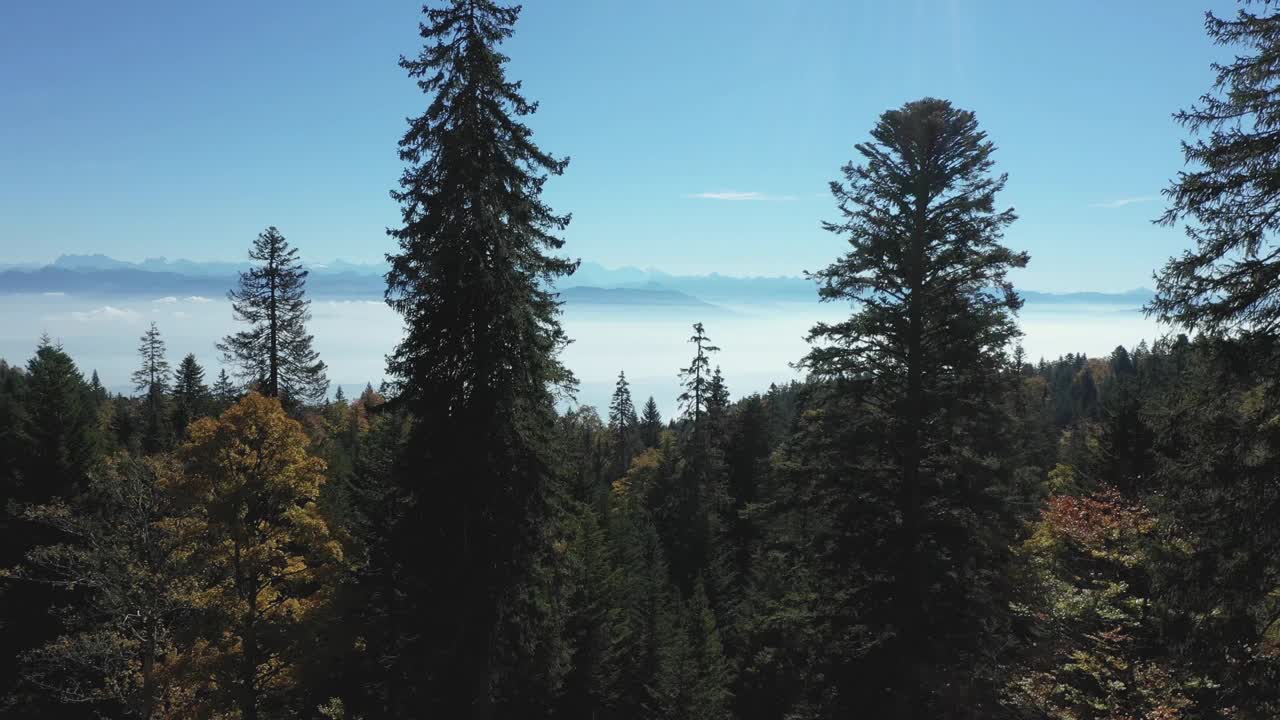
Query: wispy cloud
[167, 300]
[198, 299]
[106, 312]
[54, 294]
[1121, 202]
[736, 195]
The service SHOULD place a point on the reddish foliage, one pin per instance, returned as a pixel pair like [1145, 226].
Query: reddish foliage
[1094, 519]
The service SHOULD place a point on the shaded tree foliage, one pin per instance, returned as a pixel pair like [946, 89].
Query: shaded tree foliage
[476, 370]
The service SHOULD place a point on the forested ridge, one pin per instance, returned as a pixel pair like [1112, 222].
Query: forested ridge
[928, 525]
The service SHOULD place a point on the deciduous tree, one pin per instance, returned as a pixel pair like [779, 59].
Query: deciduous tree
[263, 553]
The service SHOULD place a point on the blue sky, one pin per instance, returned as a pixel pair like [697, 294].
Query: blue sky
[702, 134]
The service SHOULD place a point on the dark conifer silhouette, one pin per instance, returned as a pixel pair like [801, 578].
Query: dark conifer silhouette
[917, 369]
[477, 366]
[1231, 195]
[275, 354]
[152, 380]
[224, 391]
[650, 423]
[191, 397]
[623, 423]
[697, 377]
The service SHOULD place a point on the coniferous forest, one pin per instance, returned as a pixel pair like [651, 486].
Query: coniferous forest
[929, 525]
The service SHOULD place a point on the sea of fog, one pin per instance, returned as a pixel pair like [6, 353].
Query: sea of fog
[758, 342]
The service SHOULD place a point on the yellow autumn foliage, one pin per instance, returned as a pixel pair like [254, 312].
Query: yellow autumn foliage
[253, 534]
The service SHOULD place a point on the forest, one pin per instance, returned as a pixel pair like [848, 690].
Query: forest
[929, 525]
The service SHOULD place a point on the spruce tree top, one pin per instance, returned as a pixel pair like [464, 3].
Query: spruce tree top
[474, 273]
[153, 375]
[1231, 198]
[697, 377]
[925, 267]
[276, 352]
[622, 411]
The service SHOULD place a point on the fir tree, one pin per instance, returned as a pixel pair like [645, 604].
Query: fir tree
[623, 423]
[224, 391]
[691, 524]
[98, 392]
[1213, 430]
[923, 356]
[1231, 280]
[191, 397]
[711, 694]
[54, 447]
[696, 378]
[717, 405]
[152, 379]
[62, 437]
[647, 626]
[276, 352]
[650, 423]
[472, 279]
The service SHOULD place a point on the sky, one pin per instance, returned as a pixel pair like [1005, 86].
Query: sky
[702, 135]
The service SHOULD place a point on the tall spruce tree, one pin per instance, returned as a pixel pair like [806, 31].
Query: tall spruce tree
[717, 404]
[153, 374]
[223, 391]
[697, 377]
[688, 523]
[152, 380]
[276, 352]
[921, 358]
[1231, 196]
[1216, 442]
[55, 445]
[650, 423]
[473, 279]
[191, 397]
[624, 425]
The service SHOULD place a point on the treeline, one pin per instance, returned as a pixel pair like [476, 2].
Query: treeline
[928, 526]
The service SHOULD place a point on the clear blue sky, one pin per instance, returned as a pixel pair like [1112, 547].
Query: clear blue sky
[144, 127]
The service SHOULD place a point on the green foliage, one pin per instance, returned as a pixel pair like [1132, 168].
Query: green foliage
[916, 488]
[152, 380]
[473, 278]
[929, 526]
[60, 430]
[650, 424]
[192, 399]
[1230, 196]
[624, 425]
[697, 378]
[117, 553]
[224, 392]
[1098, 643]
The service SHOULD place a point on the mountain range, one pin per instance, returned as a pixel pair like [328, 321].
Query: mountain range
[592, 284]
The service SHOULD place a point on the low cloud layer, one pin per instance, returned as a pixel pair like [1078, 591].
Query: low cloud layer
[105, 313]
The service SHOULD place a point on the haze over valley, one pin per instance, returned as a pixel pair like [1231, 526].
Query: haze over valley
[628, 319]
